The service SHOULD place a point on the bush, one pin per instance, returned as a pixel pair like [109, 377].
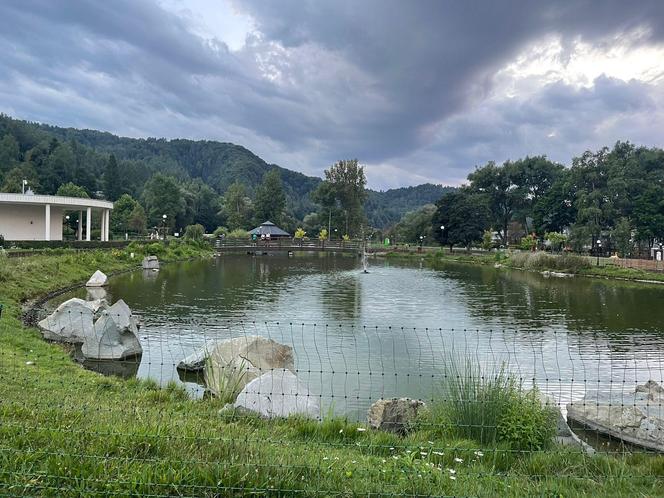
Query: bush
[491, 407]
[238, 233]
[2, 240]
[219, 231]
[194, 232]
[526, 424]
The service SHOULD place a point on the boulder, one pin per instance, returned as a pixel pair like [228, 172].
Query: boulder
[150, 263]
[103, 332]
[242, 359]
[98, 279]
[115, 335]
[394, 415]
[278, 393]
[70, 322]
[195, 362]
[95, 293]
[636, 418]
[564, 435]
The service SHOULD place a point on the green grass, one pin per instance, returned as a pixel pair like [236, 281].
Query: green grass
[66, 431]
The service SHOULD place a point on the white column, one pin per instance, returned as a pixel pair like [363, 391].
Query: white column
[107, 215]
[102, 232]
[88, 224]
[47, 228]
[80, 225]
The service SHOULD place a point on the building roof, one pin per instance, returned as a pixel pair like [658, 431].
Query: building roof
[269, 228]
[54, 200]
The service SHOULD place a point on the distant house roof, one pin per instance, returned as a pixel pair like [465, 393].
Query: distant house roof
[269, 228]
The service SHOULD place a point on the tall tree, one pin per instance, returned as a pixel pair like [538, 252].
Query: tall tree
[270, 200]
[501, 188]
[112, 180]
[137, 221]
[342, 195]
[122, 211]
[237, 206]
[162, 196]
[460, 218]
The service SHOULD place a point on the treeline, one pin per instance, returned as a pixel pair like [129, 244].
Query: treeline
[218, 184]
[610, 200]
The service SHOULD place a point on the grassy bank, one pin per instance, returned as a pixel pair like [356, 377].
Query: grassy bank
[65, 431]
[540, 261]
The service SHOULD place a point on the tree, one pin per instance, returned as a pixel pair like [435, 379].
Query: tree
[57, 167]
[9, 154]
[460, 218]
[342, 195]
[237, 206]
[415, 224]
[112, 180]
[622, 237]
[13, 181]
[270, 200]
[194, 232]
[162, 196]
[123, 209]
[137, 222]
[501, 191]
[72, 190]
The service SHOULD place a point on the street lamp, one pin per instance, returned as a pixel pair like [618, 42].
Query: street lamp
[163, 217]
[599, 248]
[23, 185]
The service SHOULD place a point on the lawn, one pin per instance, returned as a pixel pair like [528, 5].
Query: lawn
[66, 431]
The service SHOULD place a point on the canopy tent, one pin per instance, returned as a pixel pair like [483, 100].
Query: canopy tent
[269, 228]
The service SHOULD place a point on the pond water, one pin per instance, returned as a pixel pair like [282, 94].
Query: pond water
[359, 337]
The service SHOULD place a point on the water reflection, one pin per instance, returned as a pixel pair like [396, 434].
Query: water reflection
[358, 337]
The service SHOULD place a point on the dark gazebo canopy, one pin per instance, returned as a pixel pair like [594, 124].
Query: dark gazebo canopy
[269, 228]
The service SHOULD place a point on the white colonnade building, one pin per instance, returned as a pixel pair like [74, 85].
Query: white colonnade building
[41, 217]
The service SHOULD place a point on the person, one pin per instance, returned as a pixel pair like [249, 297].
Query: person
[267, 238]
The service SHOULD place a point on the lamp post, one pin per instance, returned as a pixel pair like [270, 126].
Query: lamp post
[66, 224]
[163, 218]
[599, 248]
[23, 185]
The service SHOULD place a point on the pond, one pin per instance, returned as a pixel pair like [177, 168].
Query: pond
[358, 337]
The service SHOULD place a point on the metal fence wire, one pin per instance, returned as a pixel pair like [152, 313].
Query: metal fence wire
[310, 409]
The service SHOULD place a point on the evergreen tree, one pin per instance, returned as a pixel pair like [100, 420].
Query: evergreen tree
[112, 180]
[270, 200]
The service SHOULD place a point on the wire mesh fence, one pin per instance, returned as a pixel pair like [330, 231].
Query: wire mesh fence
[274, 408]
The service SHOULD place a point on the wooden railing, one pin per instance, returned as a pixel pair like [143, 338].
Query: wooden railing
[287, 244]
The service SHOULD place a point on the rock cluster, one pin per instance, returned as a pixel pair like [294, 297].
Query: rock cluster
[260, 369]
[636, 418]
[103, 332]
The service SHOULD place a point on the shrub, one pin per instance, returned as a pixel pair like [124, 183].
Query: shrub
[543, 261]
[194, 232]
[300, 233]
[219, 231]
[322, 235]
[526, 424]
[491, 407]
[238, 233]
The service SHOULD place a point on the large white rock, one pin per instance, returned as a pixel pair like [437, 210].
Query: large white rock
[278, 393]
[150, 263]
[98, 279]
[103, 332]
[70, 322]
[237, 361]
[195, 362]
[636, 418]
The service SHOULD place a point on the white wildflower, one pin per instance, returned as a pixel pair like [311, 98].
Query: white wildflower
[453, 478]
[361, 429]
[439, 453]
[458, 460]
[451, 471]
[423, 453]
[479, 454]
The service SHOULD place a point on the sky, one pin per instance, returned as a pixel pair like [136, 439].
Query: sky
[418, 91]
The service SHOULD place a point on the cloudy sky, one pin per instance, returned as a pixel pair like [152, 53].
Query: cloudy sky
[417, 90]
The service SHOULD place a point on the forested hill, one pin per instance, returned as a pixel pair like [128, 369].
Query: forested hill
[386, 208]
[51, 155]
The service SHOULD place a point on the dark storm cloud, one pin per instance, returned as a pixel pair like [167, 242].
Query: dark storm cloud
[390, 82]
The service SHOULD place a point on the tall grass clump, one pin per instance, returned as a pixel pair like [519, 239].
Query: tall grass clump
[228, 380]
[541, 261]
[491, 407]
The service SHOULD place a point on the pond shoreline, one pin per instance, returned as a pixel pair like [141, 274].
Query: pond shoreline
[607, 272]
